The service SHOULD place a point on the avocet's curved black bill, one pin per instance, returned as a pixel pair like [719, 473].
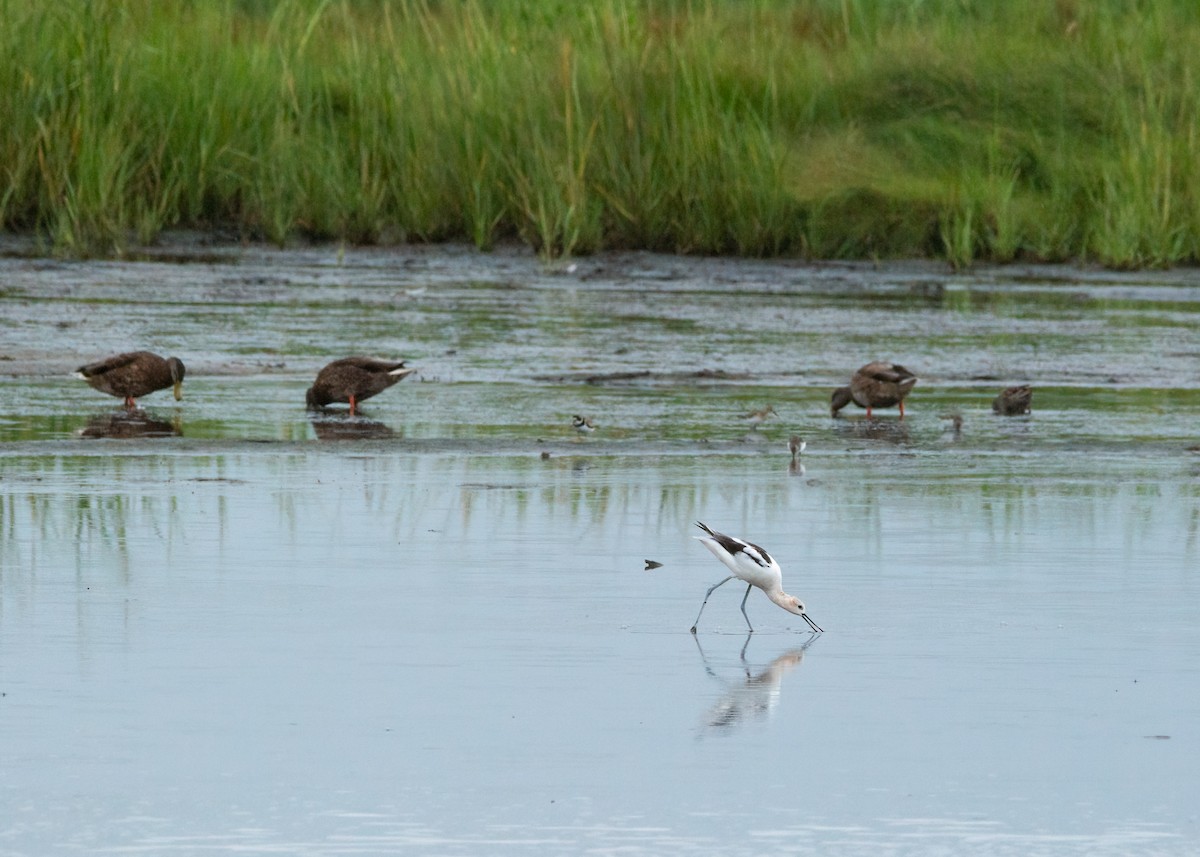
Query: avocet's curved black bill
[811, 623]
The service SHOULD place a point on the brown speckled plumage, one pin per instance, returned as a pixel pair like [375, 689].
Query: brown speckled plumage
[353, 379]
[134, 374]
[1014, 401]
[877, 385]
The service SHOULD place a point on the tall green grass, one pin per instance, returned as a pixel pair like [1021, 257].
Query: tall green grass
[830, 129]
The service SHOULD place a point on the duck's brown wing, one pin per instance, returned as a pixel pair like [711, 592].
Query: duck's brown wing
[369, 364]
[360, 377]
[886, 373]
[338, 381]
[133, 374]
[881, 385]
[110, 364]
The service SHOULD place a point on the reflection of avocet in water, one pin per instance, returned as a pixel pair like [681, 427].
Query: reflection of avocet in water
[753, 695]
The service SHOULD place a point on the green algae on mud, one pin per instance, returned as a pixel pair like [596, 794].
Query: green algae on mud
[509, 349]
[987, 131]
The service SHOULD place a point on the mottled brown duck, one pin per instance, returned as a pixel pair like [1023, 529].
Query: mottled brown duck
[1014, 401]
[353, 380]
[133, 375]
[876, 385]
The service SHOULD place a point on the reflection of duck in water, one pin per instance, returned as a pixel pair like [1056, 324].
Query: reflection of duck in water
[1014, 401]
[753, 695]
[891, 431]
[354, 379]
[876, 385]
[129, 424]
[343, 426]
[134, 374]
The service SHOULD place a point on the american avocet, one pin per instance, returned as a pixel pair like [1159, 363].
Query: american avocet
[354, 379]
[1014, 401]
[134, 374]
[583, 425]
[752, 565]
[876, 385]
[757, 418]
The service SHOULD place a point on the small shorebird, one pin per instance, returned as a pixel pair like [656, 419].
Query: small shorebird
[134, 374]
[1014, 401]
[583, 425]
[752, 565]
[877, 385]
[757, 418]
[354, 379]
[956, 422]
[796, 446]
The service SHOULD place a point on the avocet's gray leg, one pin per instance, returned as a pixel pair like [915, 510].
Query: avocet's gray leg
[749, 586]
[706, 594]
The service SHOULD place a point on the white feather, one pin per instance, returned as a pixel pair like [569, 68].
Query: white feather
[768, 577]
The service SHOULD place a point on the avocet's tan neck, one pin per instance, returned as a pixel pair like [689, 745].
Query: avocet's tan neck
[787, 602]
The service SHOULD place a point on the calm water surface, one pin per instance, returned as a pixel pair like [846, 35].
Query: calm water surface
[260, 633]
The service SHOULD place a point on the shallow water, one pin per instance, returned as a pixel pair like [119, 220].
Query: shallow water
[424, 637]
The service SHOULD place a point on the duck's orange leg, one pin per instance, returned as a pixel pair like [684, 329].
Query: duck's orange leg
[902, 409]
[130, 404]
[352, 404]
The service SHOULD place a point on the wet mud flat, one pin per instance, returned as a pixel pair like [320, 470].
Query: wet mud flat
[230, 625]
[651, 347]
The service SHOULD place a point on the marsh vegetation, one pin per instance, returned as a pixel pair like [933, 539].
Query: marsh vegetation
[850, 129]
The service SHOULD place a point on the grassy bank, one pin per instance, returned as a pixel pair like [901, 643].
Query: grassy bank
[831, 129]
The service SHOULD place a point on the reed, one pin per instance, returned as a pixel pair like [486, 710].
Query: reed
[832, 129]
